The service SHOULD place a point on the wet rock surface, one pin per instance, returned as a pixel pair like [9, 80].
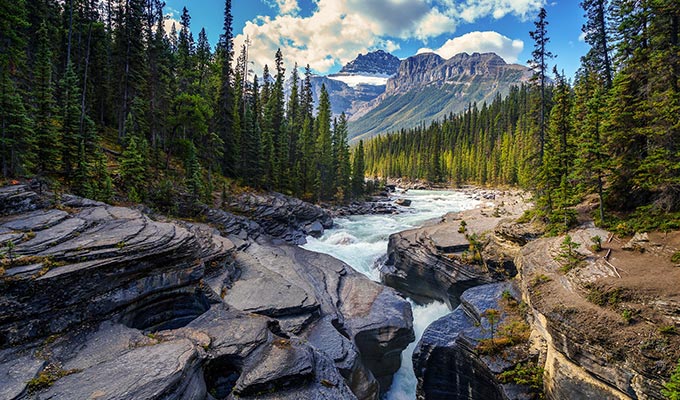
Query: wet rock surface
[282, 216]
[447, 361]
[104, 302]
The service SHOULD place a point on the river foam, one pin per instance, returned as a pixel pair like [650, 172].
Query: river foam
[361, 240]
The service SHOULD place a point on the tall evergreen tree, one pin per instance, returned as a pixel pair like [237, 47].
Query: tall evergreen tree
[597, 35]
[342, 159]
[225, 107]
[539, 64]
[324, 150]
[358, 170]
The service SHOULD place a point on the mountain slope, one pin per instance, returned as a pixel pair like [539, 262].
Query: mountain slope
[427, 87]
[358, 83]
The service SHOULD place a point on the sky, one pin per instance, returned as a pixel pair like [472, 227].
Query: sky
[329, 33]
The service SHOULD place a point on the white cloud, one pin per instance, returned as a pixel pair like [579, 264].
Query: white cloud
[285, 6]
[340, 29]
[582, 37]
[471, 10]
[337, 30]
[480, 42]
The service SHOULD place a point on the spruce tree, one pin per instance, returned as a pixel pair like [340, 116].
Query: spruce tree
[324, 150]
[342, 160]
[46, 133]
[358, 170]
[539, 64]
[225, 106]
[70, 122]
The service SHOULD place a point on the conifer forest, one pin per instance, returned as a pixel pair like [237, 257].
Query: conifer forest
[98, 97]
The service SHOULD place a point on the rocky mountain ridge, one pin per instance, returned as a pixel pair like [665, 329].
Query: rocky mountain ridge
[377, 62]
[427, 87]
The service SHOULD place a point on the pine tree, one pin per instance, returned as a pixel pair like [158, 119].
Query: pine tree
[358, 170]
[324, 150]
[558, 163]
[186, 50]
[539, 63]
[225, 106]
[597, 35]
[341, 159]
[16, 144]
[192, 170]
[591, 161]
[70, 122]
[134, 163]
[46, 133]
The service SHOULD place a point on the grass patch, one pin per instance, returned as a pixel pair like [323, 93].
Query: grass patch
[668, 330]
[528, 374]
[539, 279]
[675, 258]
[48, 376]
[604, 298]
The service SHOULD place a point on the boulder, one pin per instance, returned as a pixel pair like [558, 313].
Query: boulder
[403, 202]
[281, 216]
[638, 242]
[447, 362]
[306, 291]
[421, 263]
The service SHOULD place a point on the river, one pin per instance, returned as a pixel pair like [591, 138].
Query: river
[361, 240]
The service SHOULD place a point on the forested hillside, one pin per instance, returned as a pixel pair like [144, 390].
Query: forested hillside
[614, 131]
[97, 96]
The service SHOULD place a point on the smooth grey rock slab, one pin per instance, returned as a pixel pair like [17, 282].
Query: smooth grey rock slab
[149, 372]
[34, 221]
[15, 372]
[283, 364]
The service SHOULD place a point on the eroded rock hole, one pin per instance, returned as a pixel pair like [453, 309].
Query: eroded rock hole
[170, 311]
[221, 375]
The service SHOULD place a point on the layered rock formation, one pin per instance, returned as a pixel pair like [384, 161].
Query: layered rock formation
[599, 324]
[278, 215]
[601, 336]
[437, 263]
[447, 362]
[103, 302]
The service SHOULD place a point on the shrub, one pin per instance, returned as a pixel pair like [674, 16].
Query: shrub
[568, 256]
[675, 259]
[604, 298]
[668, 330]
[627, 316]
[539, 279]
[597, 243]
[529, 374]
[671, 388]
[47, 377]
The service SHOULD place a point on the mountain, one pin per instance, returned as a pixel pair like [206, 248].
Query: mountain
[375, 63]
[427, 87]
[359, 82]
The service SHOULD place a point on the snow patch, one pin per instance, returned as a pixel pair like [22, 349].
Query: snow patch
[356, 80]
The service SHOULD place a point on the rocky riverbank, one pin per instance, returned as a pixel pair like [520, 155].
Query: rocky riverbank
[104, 302]
[603, 327]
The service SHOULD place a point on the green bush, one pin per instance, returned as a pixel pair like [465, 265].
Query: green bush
[529, 374]
[568, 256]
[671, 388]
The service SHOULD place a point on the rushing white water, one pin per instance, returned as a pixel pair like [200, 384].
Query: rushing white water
[361, 240]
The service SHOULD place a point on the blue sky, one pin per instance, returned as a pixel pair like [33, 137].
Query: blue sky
[329, 33]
